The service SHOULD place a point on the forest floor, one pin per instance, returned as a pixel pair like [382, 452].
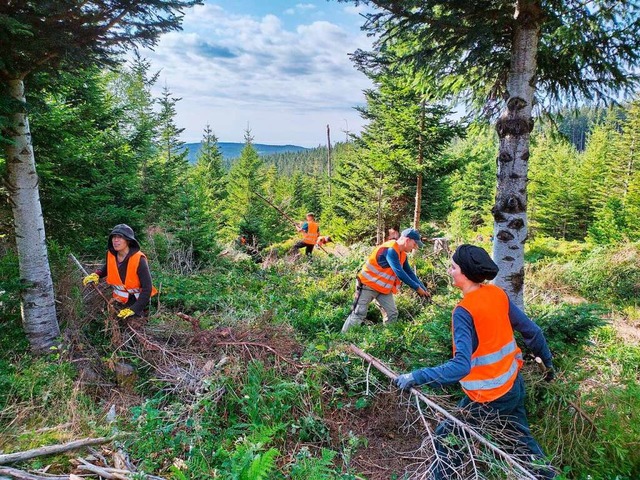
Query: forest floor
[392, 442]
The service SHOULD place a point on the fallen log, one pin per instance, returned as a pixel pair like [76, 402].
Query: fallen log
[53, 449]
[8, 472]
[525, 473]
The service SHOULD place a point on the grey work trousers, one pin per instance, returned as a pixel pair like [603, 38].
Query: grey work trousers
[384, 301]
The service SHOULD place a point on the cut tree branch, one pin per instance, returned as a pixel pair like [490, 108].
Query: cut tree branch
[54, 449]
[22, 475]
[466, 428]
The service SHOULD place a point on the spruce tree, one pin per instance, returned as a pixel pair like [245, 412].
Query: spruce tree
[166, 173]
[243, 209]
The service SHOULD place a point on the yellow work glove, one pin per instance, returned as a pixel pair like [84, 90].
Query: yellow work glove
[125, 313]
[93, 278]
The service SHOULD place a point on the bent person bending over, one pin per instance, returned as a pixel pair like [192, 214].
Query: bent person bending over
[386, 268]
[310, 232]
[486, 361]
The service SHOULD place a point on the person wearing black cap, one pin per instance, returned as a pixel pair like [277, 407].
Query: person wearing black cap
[381, 275]
[486, 359]
[127, 271]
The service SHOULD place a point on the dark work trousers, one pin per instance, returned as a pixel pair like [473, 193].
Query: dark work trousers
[507, 410]
[307, 246]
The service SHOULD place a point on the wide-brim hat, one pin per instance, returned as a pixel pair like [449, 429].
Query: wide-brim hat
[125, 231]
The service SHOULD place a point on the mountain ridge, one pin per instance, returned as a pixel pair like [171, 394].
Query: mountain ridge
[231, 150]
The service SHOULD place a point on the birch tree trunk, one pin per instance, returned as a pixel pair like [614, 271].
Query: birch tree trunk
[514, 128]
[417, 210]
[37, 296]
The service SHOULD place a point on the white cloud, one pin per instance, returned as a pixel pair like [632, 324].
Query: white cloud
[233, 69]
[356, 9]
[300, 8]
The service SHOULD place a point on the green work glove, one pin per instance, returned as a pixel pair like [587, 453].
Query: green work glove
[125, 313]
[406, 381]
[93, 278]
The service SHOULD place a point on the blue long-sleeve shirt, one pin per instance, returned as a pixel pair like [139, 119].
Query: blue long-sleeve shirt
[404, 272]
[466, 342]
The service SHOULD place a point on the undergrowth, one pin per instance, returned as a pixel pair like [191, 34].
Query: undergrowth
[257, 421]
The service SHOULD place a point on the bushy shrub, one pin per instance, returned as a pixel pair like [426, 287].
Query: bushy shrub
[567, 328]
[608, 274]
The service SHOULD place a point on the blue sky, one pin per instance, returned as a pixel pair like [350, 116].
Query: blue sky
[279, 67]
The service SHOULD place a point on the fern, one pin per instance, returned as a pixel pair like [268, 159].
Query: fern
[313, 468]
[261, 466]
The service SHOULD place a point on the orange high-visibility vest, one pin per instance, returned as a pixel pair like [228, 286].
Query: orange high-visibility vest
[311, 235]
[383, 280]
[131, 284]
[497, 360]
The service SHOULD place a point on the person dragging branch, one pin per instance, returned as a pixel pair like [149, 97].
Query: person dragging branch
[383, 272]
[486, 360]
[127, 271]
[310, 232]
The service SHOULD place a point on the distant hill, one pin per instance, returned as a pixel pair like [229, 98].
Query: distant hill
[231, 150]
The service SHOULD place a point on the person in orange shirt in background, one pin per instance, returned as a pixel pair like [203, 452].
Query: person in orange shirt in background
[486, 360]
[310, 231]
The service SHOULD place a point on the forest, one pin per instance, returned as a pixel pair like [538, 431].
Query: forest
[240, 370]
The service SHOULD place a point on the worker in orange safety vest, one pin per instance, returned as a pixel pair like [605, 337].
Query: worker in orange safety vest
[486, 361]
[126, 269]
[310, 232]
[381, 275]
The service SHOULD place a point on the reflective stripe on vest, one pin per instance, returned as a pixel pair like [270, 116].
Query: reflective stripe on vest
[383, 280]
[495, 356]
[131, 284]
[497, 359]
[311, 235]
[492, 383]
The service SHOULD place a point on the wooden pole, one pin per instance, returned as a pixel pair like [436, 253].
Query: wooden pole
[468, 429]
[278, 209]
[329, 158]
[418, 200]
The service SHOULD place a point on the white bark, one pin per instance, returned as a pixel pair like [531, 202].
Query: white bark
[417, 210]
[514, 128]
[37, 296]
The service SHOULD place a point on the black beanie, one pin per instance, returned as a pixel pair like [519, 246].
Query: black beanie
[475, 263]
